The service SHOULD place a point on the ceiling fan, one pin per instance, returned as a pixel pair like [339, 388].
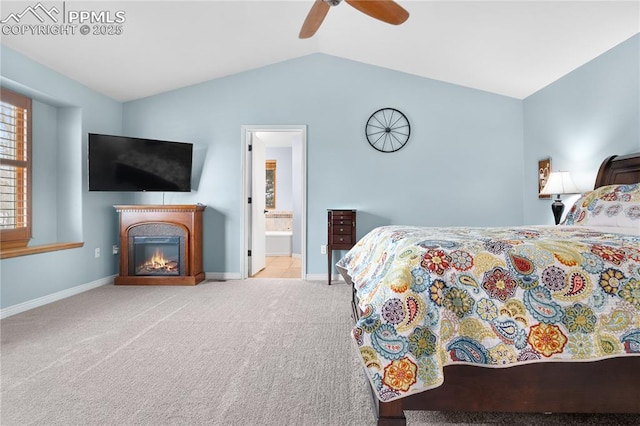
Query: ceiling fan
[385, 10]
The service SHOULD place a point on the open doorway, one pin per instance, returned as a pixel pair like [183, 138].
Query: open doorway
[274, 215]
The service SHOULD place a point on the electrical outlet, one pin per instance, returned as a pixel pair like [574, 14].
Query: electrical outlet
[97, 252]
[115, 249]
[323, 249]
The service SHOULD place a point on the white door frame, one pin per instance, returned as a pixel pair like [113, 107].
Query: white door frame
[245, 231]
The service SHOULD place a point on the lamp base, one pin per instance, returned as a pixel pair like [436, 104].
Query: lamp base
[557, 207]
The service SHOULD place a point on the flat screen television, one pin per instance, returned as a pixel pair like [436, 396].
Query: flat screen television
[119, 163]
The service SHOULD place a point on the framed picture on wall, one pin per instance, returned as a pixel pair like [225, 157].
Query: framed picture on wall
[544, 169]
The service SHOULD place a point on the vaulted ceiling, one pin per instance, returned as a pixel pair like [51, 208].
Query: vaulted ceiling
[512, 48]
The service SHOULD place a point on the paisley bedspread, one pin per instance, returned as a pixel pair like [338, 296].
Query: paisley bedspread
[492, 296]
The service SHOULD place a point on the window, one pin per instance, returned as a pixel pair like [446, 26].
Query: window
[15, 169]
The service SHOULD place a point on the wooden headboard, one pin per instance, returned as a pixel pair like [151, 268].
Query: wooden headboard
[619, 169]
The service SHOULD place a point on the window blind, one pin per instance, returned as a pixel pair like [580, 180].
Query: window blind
[15, 162]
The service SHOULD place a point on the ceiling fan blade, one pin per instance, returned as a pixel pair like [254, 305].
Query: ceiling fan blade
[314, 19]
[385, 10]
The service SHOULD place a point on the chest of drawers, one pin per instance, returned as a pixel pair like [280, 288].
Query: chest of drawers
[341, 233]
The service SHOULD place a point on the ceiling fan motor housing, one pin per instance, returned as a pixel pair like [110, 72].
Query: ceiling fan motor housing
[332, 2]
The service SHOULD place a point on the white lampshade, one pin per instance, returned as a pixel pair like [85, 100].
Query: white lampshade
[559, 183]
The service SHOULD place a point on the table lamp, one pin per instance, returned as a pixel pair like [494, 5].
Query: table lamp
[559, 183]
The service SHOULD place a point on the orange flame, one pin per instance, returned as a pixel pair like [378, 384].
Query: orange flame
[157, 262]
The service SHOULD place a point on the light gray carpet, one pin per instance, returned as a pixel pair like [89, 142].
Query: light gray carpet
[255, 352]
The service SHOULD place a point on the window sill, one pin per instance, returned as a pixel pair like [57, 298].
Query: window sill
[25, 251]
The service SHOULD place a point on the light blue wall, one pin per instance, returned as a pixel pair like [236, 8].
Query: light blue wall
[64, 112]
[581, 119]
[462, 165]
[44, 146]
[471, 157]
[70, 166]
[298, 189]
[284, 176]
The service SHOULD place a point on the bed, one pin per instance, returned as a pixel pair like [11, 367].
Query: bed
[415, 360]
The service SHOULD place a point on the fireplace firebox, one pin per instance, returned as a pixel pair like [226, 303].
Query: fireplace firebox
[160, 245]
[156, 256]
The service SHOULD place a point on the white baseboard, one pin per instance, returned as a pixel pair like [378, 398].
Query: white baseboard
[44, 300]
[222, 276]
[323, 277]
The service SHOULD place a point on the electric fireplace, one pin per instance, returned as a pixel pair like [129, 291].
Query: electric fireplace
[160, 245]
[156, 256]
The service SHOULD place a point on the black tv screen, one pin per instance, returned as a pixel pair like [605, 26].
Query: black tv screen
[118, 163]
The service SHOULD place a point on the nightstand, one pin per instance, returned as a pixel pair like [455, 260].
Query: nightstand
[341, 233]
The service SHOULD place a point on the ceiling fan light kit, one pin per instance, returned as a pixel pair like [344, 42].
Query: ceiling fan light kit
[384, 10]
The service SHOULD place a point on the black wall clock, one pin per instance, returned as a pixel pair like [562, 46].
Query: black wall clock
[387, 130]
